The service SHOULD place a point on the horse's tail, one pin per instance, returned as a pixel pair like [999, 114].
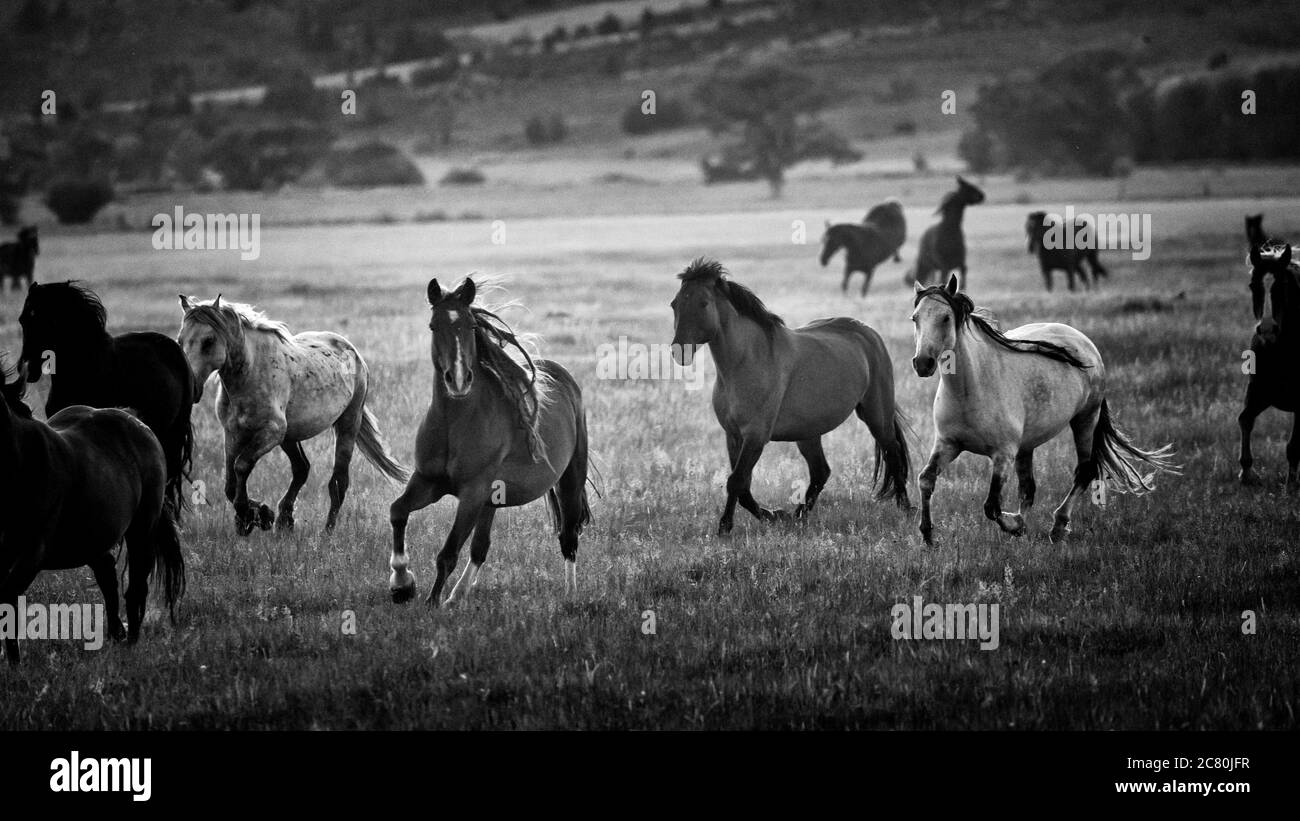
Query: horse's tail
[373, 446]
[1116, 459]
[179, 449]
[169, 562]
[892, 479]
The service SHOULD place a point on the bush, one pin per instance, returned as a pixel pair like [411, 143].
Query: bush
[76, 202]
[669, 114]
[371, 165]
[253, 159]
[293, 93]
[540, 131]
[463, 176]
[433, 74]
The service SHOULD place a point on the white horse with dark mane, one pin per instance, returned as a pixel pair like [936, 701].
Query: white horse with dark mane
[278, 389]
[1002, 395]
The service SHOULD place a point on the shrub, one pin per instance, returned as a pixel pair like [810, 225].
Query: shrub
[463, 176]
[669, 114]
[76, 202]
[371, 165]
[252, 159]
[545, 131]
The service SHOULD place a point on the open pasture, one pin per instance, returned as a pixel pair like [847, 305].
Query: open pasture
[1134, 623]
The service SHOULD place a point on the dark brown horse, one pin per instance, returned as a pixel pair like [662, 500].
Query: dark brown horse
[18, 259]
[499, 432]
[70, 492]
[777, 384]
[1275, 348]
[1070, 260]
[867, 245]
[943, 245]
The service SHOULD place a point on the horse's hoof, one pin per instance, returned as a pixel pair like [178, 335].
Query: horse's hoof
[117, 634]
[801, 511]
[1059, 533]
[927, 536]
[401, 587]
[778, 516]
[243, 526]
[1249, 477]
[724, 527]
[265, 517]
[284, 522]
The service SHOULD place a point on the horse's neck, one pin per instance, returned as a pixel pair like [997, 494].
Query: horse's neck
[242, 360]
[951, 216]
[739, 341]
[79, 368]
[972, 359]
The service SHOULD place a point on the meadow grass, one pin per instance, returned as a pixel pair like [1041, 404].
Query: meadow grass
[1135, 623]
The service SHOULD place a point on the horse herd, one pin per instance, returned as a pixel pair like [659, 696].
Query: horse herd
[504, 429]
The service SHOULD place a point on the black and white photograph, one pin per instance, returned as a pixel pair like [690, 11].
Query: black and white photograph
[649, 366]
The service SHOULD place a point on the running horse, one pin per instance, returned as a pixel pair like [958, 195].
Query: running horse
[865, 246]
[1275, 348]
[71, 491]
[943, 245]
[1002, 395]
[502, 430]
[278, 389]
[777, 384]
[64, 335]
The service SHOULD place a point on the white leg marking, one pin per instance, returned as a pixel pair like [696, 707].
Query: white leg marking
[470, 573]
[570, 576]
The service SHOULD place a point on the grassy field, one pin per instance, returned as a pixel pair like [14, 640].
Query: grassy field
[1133, 624]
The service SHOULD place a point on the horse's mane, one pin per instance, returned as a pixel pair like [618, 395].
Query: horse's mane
[745, 301]
[504, 356]
[75, 307]
[964, 313]
[248, 316]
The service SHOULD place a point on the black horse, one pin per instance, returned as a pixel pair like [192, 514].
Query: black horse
[1069, 260]
[867, 245]
[1255, 235]
[18, 259]
[943, 246]
[64, 335]
[1275, 348]
[70, 492]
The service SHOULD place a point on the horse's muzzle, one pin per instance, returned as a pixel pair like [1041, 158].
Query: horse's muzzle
[457, 391]
[684, 353]
[923, 365]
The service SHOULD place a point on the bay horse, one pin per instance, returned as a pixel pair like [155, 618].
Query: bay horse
[943, 245]
[18, 259]
[277, 389]
[499, 432]
[1275, 301]
[65, 335]
[777, 384]
[867, 245]
[1001, 395]
[71, 491]
[1070, 260]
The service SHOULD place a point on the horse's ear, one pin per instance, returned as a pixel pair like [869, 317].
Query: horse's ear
[465, 293]
[434, 293]
[216, 303]
[919, 287]
[952, 285]
[1286, 257]
[187, 304]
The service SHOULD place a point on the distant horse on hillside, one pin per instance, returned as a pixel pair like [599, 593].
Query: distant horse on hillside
[18, 259]
[943, 245]
[1069, 260]
[867, 245]
[1255, 235]
[279, 390]
[1275, 301]
[64, 335]
[777, 384]
[1002, 395]
[71, 491]
[502, 430]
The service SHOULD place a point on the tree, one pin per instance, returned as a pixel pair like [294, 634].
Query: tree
[764, 103]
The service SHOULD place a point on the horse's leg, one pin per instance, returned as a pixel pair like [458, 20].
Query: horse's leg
[1084, 428]
[941, 455]
[866, 280]
[478, 550]
[1013, 523]
[1047, 274]
[301, 467]
[105, 569]
[419, 494]
[471, 504]
[818, 472]
[20, 577]
[139, 564]
[1025, 479]
[240, 461]
[746, 456]
[1255, 405]
[345, 442]
[1293, 456]
[848, 274]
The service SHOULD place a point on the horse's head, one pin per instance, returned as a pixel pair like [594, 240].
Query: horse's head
[454, 346]
[830, 243]
[1035, 227]
[1273, 289]
[934, 324]
[208, 331]
[28, 238]
[969, 194]
[696, 318]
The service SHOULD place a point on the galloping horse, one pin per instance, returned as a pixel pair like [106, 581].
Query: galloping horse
[279, 390]
[71, 491]
[498, 433]
[867, 245]
[943, 245]
[1275, 300]
[1002, 395]
[776, 384]
[1069, 260]
[64, 335]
